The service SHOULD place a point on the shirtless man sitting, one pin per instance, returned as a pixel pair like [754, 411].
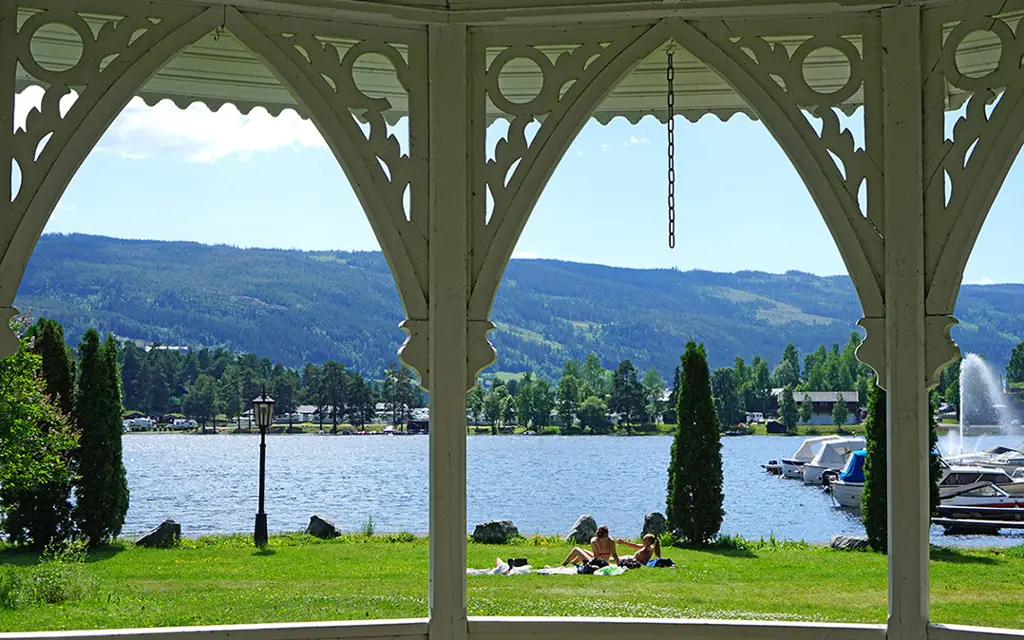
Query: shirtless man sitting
[601, 546]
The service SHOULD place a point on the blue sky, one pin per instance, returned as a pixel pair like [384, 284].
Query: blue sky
[164, 173]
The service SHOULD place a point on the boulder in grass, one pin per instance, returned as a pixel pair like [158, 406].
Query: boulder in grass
[849, 543]
[322, 528]
[654, 523]
[165, 536]
[584, 529]
[495, 532]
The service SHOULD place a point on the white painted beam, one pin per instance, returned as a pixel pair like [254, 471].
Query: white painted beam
[449, 123]
[907, 396]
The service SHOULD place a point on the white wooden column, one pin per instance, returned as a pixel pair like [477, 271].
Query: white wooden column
[905, 324]
[448, 303]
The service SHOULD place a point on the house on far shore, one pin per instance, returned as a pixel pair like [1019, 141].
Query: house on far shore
[822, 402]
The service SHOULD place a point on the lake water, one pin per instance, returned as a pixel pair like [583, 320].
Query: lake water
[542, 483]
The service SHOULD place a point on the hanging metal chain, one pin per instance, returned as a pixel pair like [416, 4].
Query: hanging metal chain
[670, 75]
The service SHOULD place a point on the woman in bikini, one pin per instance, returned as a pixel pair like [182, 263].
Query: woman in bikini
[601, 546]
[650, 547]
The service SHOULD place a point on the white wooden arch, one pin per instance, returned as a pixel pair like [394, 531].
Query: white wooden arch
[857, 235]
[298, 52]
[985, 143]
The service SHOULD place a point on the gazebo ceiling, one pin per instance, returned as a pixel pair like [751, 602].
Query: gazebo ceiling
[218, 70]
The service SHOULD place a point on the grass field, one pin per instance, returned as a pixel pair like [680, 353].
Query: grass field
[226, 581]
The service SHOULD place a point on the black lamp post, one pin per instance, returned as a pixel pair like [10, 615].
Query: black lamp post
[263, 407]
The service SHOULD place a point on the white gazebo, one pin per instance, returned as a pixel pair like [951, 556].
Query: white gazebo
[904, 208]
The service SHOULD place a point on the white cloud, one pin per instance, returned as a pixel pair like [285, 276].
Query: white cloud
[634, 140]
[195, 133]
[201, 135]
[525, 255]
[985, 281]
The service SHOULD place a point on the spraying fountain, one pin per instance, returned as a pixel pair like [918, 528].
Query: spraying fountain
[983, 405]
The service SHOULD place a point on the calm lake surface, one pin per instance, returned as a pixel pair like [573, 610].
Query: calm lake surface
[542, 483]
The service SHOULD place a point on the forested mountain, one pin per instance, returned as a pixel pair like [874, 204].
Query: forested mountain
[296, 307]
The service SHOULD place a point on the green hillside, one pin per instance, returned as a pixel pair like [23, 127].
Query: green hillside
[295, 307]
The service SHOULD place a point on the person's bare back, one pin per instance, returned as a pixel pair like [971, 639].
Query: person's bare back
[603, 547]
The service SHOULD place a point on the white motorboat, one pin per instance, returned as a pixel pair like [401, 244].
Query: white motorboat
[1010, 460]
[832, 454]
[848, 487]
[984, 494]
[793, 466]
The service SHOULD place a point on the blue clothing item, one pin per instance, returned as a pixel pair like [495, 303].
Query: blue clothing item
[854, 469]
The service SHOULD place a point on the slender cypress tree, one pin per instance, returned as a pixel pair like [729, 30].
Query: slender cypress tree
[114, 410]
[873, 507]
[873, 500]
[695, 496]
[101, 499]
[58, 366]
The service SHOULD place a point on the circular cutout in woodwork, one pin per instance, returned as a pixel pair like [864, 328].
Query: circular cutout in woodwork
[56, 47]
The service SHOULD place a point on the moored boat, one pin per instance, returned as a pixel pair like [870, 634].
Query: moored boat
[848, 487]
[793, 466]
[832, 454]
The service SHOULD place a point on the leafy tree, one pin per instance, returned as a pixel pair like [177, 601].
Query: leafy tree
[673, 398]
[760, 386]
[335, 379]
[360, 400]
[1015, 368]
[627, 397]
[949, 383]
[495, 404]
[524, 401]
[840, 412]
[508, 410]
[653, 388]
[695, 496]
[475, 403]
[36, 447]
[284, 389]
[568, 401]
[787, 409]
[102, 495]
[788, 372]
[593, 413]
[728, 401]
[806, 409]
[543, 403]
[873, 499]
[594, 376]
[201, 400]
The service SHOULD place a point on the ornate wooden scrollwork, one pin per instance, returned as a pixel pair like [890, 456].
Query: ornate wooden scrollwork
[106, 59]
[966, 168]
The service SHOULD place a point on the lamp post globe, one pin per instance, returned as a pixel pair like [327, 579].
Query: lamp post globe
[263, 410]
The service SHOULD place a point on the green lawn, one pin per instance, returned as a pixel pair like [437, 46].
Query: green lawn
[225, 581]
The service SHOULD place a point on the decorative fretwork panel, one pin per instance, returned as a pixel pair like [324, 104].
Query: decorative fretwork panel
[355, 81]
[545, 88]
[811, 75]
[977, 67]
[822, 75]
[84, 56]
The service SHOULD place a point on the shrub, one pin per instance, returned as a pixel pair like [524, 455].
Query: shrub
[59, 577]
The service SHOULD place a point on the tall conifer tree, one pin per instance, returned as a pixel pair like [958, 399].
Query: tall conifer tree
[873, 499]
[695, 496]
[102, 496]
